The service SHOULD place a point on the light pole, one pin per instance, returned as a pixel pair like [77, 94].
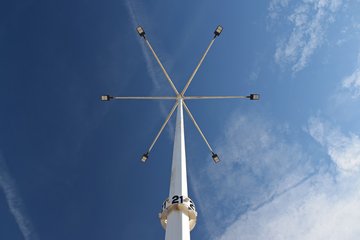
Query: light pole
[178, 214]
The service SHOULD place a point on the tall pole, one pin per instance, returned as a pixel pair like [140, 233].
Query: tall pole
[178, 213]
[178, 222]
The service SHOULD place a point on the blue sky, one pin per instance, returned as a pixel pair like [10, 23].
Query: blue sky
[70, 164]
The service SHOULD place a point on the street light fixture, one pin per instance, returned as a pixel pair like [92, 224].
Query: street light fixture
[179, 96]
[254, 96]
[215, 157]
[145, 156]
[184, 211]
[218, 30]
[106, 98]
[141, 31]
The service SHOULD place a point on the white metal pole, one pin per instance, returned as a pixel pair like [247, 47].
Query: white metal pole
[177, 227]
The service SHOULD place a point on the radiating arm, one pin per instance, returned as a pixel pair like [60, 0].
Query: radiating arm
[214, 155]
[253, 96]
[108, 98]
[162, 67]
[144, 98]
[197, 67]
[217, 32]
[146, 155]
[214, 97]
[141, 32]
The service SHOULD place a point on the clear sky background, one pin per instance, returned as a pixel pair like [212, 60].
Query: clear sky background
[70, 164]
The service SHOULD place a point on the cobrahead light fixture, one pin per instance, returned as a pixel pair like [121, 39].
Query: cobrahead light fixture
[178, 213]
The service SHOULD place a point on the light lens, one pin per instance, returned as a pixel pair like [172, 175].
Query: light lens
[216, 158]
[145, 156]
[218, 30]
[254, 96]
[105, 98]
[141, 31]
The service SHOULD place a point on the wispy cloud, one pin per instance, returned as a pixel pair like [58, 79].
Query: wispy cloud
[152, 67]
[352, 83]
[344, 100]
[15, 202]
[259, 164]
[269, 186]
[317, 210]
[308, 21]
[344, 149]
[276, 6]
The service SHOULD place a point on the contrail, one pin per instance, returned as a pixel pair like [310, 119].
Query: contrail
[149, 64]
[15, 202]
[154, 74]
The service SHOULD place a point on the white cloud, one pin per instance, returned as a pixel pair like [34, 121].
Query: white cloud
[320, 209]
[275, 7]
[309, 21]
[352, 83]
[15, 202]
[259, 164]
[268, 186]
[343, 149]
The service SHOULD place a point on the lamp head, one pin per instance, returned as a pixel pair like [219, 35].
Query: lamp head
[254, 96]
[144, 157]
[140, 31]
[215, 157]
[218, 30]
[106, 98]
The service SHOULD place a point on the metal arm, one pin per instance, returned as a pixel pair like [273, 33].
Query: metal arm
[215, 157]
[108, 97]
[197, 126]
[197, 67]
[146, 155]
[144, 98]
[162, 67]
[215, 97]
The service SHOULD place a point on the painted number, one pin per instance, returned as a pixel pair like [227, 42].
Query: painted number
[176, 198]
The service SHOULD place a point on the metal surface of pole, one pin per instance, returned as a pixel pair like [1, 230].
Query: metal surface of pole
[177, 221]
